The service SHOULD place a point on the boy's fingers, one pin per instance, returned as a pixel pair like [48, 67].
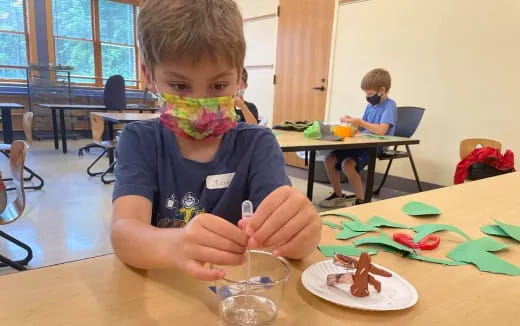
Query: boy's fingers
[288, 230]
[198, 271]
[284, 213]
[211, 239]
[224, 228]
[294, 244]
[214, 256]
[267, 207]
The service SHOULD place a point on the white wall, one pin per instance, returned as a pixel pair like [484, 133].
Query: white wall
[260, 29]
[460, 59]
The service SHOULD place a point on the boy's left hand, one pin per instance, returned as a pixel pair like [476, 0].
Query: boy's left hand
[287, 222]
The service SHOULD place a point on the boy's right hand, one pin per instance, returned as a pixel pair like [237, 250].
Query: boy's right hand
[210, 239]
[345, 118]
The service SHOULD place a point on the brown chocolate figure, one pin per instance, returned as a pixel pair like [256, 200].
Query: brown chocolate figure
[362, 276]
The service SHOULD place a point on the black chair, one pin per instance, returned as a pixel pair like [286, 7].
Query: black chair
[408, 119]
[114, 98]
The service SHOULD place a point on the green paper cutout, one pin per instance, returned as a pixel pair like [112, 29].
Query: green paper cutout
[427, 229]
[329, 251]
[383, 240]
[494, 230]
[478, 253]
[372, 136]
[330, 224]
[416, 208]
[512, 230]
[380, 221]
[359, 227]
[347, 233]
[435, 260]
[350, 216]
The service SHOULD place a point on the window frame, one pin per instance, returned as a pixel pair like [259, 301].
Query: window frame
[97, 43]
[28, 46]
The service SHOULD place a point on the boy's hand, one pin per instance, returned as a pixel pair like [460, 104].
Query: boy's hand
[354, 121]
[210, 239]
[287, 222]
[345, 118]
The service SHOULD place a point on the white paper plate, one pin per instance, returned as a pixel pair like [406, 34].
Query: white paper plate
[396, 293]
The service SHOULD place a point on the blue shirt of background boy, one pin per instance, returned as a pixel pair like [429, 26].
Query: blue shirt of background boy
[248, 165]
[385, 112]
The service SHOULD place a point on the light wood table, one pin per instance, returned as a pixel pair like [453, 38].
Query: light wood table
[291, 141]
[103, 291]
[82, 107]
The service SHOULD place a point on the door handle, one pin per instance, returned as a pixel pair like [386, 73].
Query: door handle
[321, 88]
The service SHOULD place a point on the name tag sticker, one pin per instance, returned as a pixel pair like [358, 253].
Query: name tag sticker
[219, 181]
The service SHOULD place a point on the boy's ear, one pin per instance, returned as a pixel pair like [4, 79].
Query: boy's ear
[148, 78]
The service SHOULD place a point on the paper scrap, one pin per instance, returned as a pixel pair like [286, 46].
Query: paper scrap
[359, 227]
[385, 241]
[347, 233]
[435, 260]
[350, 216]
[512, 230]
[427, 229]
[478, 253]
[381, 221]
[330, 224]
[494, 230]
[417, 208]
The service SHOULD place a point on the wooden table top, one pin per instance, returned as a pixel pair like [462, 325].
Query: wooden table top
[295, 141]
[125, 117]
[93, 107]
[103, 291]
[10, 106]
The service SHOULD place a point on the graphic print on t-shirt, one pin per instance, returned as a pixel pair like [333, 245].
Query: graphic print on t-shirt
[180, 214]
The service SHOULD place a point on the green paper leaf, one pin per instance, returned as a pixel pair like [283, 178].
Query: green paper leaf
[350, 216]
[427, 229]
[329, 251]
[416, 208]
[383, 240]
[330, 224]
[478, 253]
[347, 233]
[494, 230]
[359, 227]
[380, 221]
[435, 260]
[512, 230]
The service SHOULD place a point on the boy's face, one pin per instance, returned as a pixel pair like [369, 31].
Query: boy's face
[372, 92]
[206, 78]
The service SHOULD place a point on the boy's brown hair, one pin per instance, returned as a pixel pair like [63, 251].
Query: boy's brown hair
[375, 79]
[190, 29]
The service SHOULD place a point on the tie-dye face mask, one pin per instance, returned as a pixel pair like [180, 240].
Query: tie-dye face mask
[198, 118]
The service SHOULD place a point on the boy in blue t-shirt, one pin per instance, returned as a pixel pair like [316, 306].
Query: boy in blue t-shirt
[181, 179]
[379, 118]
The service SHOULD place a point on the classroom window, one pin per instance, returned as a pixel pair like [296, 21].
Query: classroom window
[96, 38]
[13, 40]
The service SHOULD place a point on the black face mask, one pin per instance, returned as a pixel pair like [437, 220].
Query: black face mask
[374, 99]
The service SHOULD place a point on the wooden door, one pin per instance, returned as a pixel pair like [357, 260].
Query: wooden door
[302, 62]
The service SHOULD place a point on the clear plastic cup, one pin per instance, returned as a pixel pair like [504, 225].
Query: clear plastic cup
[259, 306]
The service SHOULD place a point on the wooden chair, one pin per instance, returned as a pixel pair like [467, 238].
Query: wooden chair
[477, 170]
[468, 145]
[12, 211]
[98, 127]
[6, 148]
